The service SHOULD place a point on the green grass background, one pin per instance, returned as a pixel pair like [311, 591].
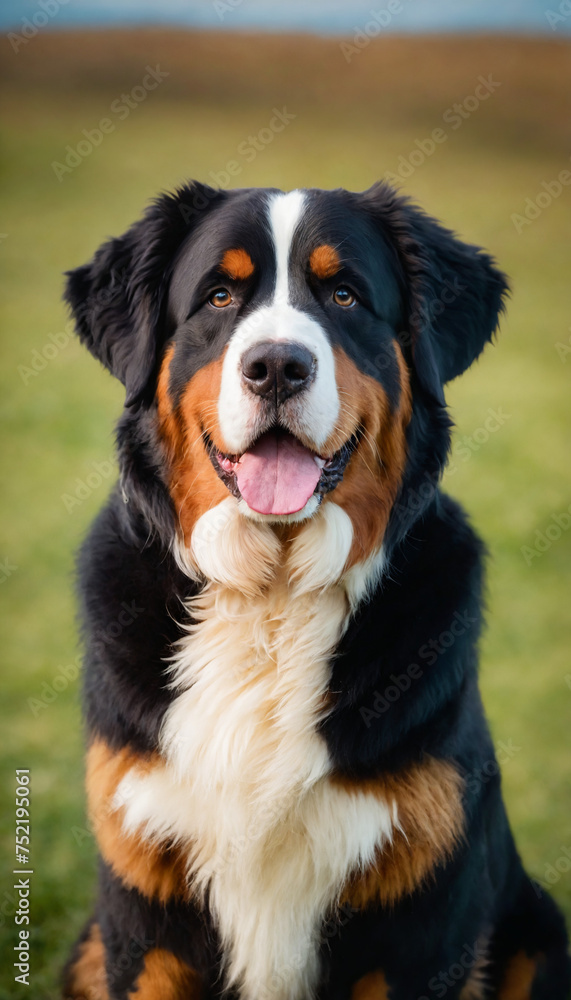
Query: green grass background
[352, 123]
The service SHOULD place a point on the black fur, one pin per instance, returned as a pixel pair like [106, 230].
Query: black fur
[418, 284]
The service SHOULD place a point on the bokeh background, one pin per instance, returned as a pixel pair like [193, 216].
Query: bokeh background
[360, 108]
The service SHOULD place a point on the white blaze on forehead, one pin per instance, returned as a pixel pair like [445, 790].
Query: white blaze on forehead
[313, 412]
[285, 214]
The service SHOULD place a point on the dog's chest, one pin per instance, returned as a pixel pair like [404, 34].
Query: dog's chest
[248, 784]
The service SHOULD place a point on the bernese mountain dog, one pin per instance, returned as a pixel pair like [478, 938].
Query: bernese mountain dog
[290, 777]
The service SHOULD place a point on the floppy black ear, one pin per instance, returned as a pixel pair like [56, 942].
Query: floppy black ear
[453, 292]
[118, 299]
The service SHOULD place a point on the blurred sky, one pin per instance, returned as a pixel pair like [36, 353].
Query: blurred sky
[321, 16]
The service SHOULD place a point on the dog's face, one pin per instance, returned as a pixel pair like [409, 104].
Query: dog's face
[284, 380]
[281, 340]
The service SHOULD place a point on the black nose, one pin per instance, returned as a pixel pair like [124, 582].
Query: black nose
[278, 369]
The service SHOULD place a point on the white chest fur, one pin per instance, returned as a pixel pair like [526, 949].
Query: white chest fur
[246, 782]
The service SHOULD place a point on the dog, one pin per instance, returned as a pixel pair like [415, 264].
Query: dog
[281, 617]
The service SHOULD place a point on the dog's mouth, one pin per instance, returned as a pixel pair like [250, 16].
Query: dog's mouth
[277, 474]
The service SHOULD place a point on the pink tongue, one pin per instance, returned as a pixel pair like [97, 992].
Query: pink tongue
[278, 475]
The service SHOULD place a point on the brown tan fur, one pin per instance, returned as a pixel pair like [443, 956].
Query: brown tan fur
[474, 989]
[87, 979]
[476, 985]
[237, 264]
[165, 977]
[375, 471]
[428, 799]
[324, 261]
[158, 871]
[194, 485]
[371, 987]
[518, 978]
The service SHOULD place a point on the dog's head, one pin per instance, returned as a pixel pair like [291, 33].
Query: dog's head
[289, 349]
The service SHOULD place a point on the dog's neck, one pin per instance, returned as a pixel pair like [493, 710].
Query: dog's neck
[250, 556]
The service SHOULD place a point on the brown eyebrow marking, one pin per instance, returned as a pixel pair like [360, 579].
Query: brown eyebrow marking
[324, 261]
[237, 264]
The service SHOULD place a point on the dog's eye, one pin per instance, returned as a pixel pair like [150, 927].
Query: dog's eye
[220, 298]
[343, 296]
